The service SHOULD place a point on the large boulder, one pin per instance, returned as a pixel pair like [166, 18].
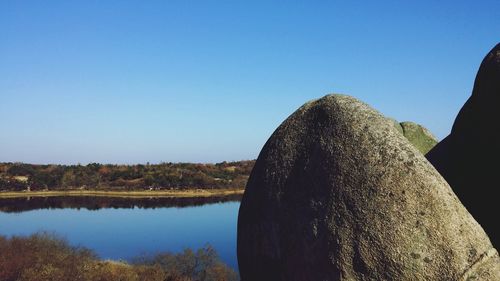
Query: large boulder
[468, 157]
[337, 193]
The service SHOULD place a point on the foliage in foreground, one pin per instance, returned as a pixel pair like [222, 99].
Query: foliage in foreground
[44, 257]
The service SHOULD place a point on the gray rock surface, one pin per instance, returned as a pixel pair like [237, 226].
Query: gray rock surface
[468, 157]
[337, 193]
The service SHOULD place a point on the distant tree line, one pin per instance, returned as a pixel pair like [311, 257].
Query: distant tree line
[22, 176]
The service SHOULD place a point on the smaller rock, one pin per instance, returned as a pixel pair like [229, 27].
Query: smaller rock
[419, 136]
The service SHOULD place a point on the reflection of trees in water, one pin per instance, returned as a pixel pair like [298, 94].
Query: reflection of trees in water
[15, 205]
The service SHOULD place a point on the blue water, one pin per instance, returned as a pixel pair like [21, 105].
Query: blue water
[126, 233]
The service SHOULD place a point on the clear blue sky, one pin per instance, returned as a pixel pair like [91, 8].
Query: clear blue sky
[208, 81]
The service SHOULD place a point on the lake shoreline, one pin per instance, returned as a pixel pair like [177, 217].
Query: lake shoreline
[188, 193]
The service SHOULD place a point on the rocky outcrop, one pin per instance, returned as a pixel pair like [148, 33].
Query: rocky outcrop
[419, 136]
[468, 157]
[337, 193]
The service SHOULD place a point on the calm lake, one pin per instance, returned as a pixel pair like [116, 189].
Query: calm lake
[118, 228]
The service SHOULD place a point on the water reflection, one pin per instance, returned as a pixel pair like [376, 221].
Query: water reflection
[22, 204]
[124, 228]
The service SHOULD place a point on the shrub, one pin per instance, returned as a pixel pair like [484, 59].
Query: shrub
[47, 257]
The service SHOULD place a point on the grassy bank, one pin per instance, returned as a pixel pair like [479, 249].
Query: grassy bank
[187, 193]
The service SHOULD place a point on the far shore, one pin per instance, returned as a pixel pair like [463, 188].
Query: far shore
[187, 193]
